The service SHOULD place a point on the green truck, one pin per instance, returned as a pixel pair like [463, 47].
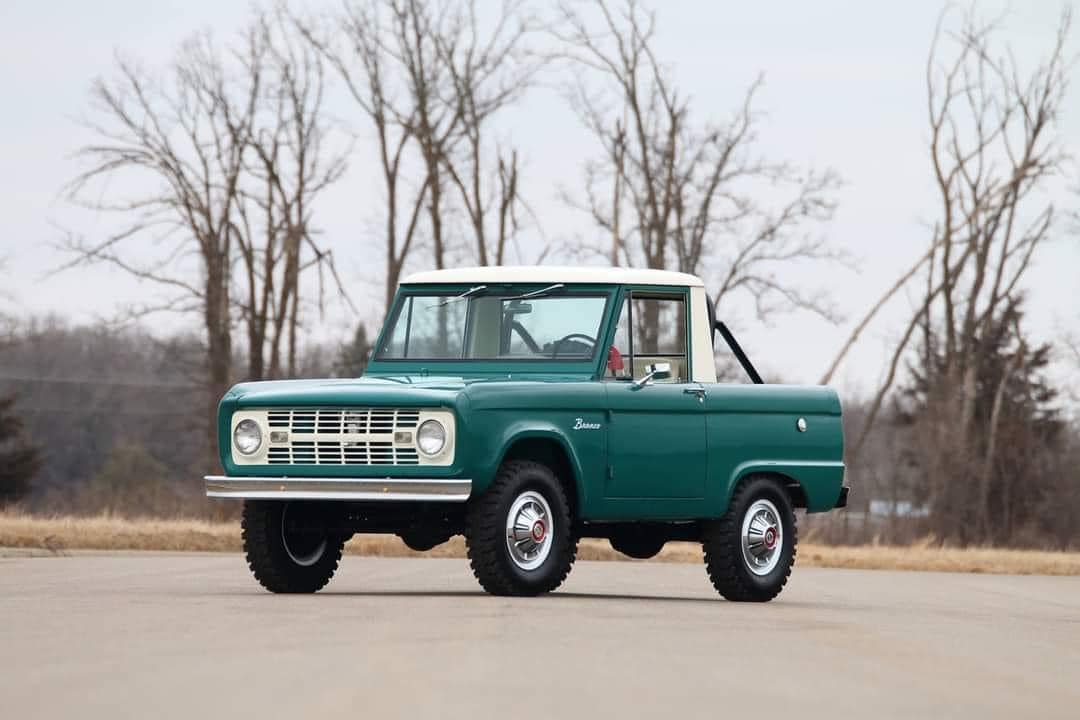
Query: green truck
[526, 408]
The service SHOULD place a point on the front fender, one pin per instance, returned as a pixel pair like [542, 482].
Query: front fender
[493, 435]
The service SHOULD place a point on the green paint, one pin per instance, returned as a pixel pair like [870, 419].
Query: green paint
[654, 452]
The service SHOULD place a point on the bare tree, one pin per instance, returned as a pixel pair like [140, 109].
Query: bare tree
[288, 166]
[429, 78]
[201, 146]
[488, 72]
[176, 140]
[993, 147]
[673, 193]
[360, 43]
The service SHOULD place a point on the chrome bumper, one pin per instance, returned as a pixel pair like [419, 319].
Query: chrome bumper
[285, 488]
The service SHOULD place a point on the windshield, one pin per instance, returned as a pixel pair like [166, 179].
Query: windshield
[477, 324]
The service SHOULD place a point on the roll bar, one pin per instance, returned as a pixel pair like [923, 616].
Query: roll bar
[736, 348]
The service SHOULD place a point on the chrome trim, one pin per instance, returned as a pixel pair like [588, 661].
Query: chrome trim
[762, 537]
[285, 488]
[658, 371]
[530, 526]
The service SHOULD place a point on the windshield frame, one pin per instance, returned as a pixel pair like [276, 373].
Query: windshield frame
[379, 364]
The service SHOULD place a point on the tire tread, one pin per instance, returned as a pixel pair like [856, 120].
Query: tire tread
[484, 527]
[260, 531]
[723, 550]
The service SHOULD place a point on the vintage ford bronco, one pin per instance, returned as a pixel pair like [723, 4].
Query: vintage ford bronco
[527, 408]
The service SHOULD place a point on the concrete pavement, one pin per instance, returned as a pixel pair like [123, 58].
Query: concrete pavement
[192, 636]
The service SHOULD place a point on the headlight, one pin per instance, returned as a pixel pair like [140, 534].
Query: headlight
[247, 437]
[431, 437]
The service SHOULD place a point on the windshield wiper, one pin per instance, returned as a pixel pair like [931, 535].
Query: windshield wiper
[538, 293]
[467, 294]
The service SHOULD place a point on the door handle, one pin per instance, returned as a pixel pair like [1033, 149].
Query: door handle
[699, 391]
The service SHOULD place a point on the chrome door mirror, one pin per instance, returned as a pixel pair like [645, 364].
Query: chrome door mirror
[656, 371]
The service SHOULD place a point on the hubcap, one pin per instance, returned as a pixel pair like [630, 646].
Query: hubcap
[303, 545]
[529, 526]
[762, 537]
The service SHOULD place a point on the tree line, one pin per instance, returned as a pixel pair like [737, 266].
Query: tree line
[231, 146]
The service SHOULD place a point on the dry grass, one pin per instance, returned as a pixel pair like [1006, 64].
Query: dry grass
[58, 534]
[104, 532]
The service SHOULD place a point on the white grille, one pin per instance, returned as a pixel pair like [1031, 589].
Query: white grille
[343, 436]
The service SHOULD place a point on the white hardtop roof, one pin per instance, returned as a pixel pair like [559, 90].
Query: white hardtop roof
[552, 274]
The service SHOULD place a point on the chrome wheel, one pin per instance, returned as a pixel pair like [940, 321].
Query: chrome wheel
[303, 546]
[530, 526]
[762, 537]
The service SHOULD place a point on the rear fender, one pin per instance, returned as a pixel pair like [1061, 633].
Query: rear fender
[820, 481]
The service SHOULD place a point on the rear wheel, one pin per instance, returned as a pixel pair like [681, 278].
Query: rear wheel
[750, 551]
[288, 547]
[518, 533]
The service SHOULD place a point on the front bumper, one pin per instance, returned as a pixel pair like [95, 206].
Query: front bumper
[285, 488]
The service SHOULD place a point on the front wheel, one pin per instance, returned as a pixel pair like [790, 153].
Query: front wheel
[749, 552]
[288, 547]
[518, 533]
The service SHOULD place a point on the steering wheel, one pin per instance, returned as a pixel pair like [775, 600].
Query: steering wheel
[572, 336]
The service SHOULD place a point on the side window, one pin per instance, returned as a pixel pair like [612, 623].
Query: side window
[659, 335]
[660, 326]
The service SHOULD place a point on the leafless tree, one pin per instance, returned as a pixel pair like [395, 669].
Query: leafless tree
[488, 72]
[176, 139]
[674, 193]
[201, 146]
[993, 146]
[429, 77]
[354, 43]
[288, 166]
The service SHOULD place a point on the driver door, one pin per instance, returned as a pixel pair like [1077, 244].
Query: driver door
[656, 439]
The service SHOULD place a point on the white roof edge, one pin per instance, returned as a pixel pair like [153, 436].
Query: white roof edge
[553, 274]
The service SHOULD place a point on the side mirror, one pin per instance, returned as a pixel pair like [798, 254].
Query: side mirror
[656, 371]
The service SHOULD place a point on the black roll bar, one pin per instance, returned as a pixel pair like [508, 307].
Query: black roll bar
[737, 350]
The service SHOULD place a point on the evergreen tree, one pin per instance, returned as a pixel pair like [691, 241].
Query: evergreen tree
[19, 460]
[991, 488]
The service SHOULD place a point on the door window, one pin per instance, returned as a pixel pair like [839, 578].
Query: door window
[659, 335]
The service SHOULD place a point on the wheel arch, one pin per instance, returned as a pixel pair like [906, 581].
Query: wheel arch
[551, 448]
[806, 483]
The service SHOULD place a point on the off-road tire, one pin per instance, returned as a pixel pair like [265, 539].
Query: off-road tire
[269, 557]
[485, 532]
[637, 544]
[722, 540]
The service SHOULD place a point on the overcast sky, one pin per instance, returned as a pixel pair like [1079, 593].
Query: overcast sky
[844, 89]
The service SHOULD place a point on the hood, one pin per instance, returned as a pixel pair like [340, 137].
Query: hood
[414, 390]
[402, 390]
